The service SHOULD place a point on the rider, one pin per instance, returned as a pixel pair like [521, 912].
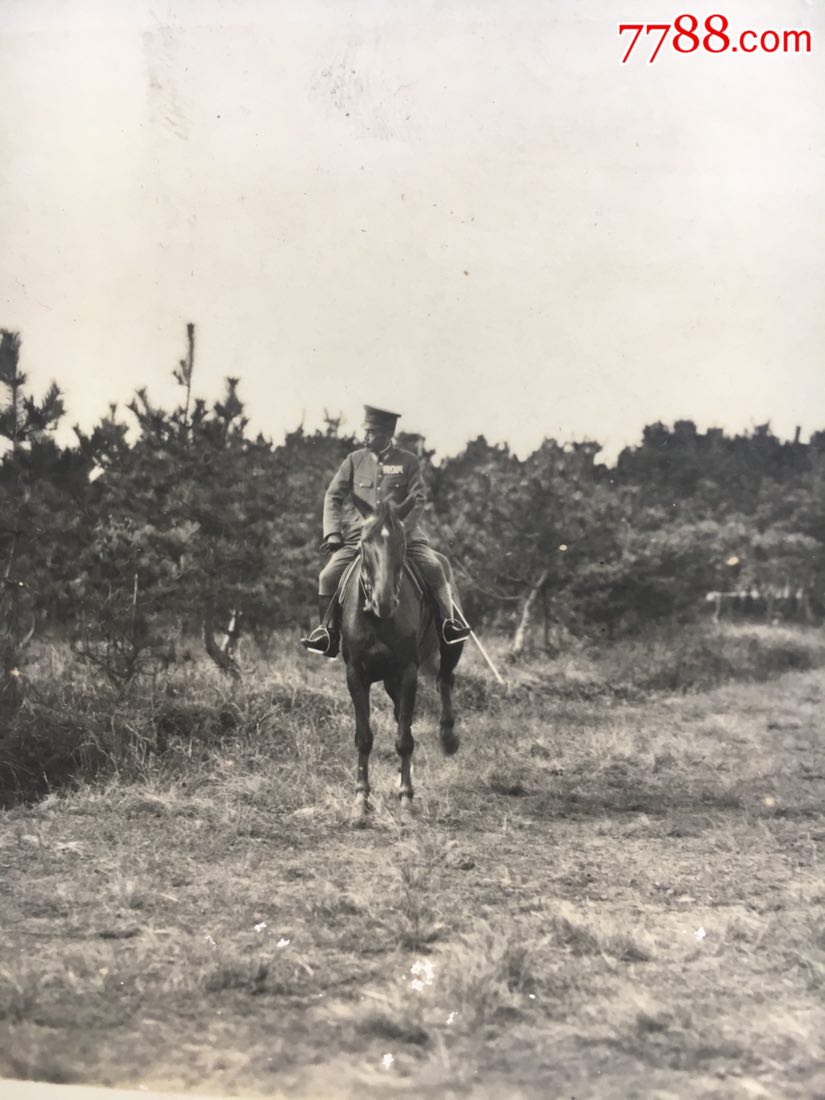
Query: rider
[377, 472]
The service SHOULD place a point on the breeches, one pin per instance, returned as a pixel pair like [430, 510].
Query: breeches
[335, 567]
[433, 567]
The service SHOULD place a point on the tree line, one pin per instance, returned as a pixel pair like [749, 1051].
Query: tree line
[161, 524]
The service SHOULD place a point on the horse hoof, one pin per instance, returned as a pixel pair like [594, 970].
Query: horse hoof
[450, 742]
[405, 804]
[360, 814]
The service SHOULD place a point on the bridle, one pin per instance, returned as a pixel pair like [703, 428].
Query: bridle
[365, 580]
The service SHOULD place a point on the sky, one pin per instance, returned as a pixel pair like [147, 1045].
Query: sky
[470, 212]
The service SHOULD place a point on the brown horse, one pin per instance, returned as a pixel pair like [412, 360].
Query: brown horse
[389, 630]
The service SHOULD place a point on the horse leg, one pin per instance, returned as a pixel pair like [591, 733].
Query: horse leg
[391, 688]
[446, 729]
[359, 691]
[404, 744]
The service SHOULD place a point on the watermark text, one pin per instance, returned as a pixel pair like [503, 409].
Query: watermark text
[687, 35]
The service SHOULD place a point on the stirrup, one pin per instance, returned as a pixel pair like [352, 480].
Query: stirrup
[454, 631]
[322, 641]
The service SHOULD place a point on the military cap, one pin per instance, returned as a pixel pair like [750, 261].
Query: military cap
[380, 418]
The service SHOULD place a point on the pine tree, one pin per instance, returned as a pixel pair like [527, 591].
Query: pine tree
[23, 419]
[27, 474]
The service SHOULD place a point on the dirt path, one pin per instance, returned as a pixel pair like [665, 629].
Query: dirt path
[594, 900]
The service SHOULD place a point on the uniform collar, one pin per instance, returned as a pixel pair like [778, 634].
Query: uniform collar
[385, 453]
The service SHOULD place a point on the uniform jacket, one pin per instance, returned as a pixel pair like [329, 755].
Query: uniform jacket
[395, 476]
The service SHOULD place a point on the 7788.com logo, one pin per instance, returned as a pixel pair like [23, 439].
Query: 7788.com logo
[712, 36]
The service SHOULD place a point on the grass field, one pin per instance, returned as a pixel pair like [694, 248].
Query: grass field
[616, 889]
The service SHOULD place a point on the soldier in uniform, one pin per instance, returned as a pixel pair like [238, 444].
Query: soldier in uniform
[379, 471]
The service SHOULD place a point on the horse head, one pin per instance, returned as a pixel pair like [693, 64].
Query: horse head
[383, 552]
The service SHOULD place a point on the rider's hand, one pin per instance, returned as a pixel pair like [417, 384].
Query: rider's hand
[332, 543]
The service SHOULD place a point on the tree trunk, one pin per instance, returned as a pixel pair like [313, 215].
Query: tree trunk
[520, 636]
[807, 611]
[190, 367]
[221, 654]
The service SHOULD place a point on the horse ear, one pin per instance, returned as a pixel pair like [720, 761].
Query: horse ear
[363, 507]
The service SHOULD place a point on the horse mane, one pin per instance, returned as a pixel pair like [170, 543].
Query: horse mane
[385, 515]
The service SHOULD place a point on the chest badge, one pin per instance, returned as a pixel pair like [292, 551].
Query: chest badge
[393, 469]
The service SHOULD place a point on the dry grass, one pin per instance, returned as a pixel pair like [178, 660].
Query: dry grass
[603, 894]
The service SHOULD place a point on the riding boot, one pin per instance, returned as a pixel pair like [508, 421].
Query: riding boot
[326, 638]
[454, 631]
[454, 628]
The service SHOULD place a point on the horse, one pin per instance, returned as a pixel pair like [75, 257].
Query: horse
[389, 630]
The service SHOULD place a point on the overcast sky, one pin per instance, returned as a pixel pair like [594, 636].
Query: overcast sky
[467, 211]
